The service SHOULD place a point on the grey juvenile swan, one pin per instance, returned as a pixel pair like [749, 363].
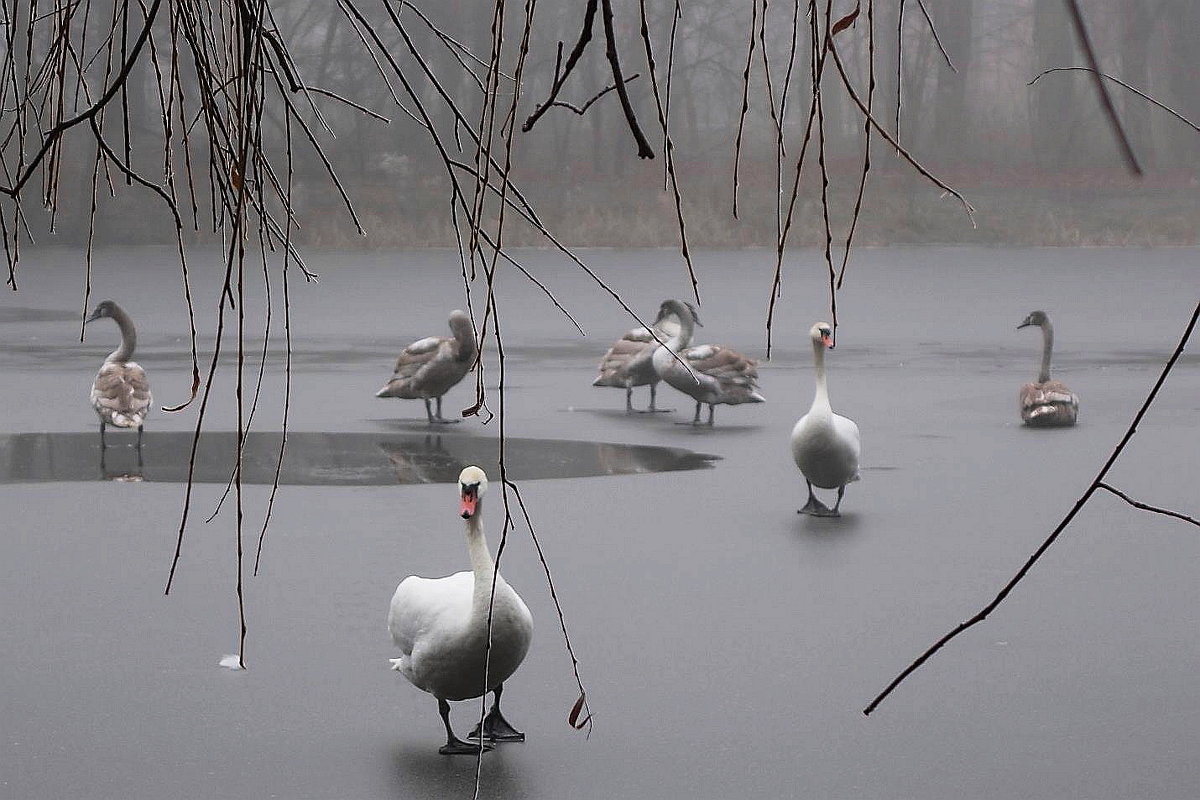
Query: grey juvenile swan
[430, 367]
[825, 445]
[629, 362]
[120, 393]
[718, 374]
[441, 628]
[1047, 403]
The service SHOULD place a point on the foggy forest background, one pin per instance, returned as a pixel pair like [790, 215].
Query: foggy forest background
[1038, 162]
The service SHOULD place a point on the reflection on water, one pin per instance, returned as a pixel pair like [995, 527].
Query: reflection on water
[323, 459]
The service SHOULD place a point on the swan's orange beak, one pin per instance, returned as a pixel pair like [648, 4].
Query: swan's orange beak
[470, 500]
[827, 340]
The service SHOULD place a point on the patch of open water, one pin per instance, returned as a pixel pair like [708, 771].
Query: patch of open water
[323, 459]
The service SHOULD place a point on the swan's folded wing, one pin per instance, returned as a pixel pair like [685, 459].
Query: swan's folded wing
[1054, 393]
[417, 355]
[723, 363]
[419, 604]
[634, 343]
[1048, 404]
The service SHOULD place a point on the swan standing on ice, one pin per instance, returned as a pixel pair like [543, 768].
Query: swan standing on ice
[440, 626]
[629, 362]
[430, 367]
[121, 392]
[825, 445]
[1047, 403]
[718, 374]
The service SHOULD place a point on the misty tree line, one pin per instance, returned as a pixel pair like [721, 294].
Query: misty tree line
[952, 84]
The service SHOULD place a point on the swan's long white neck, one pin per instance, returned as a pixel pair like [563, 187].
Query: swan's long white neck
[481, 563]
[128, 336]
[1047, 347]
[821, 397]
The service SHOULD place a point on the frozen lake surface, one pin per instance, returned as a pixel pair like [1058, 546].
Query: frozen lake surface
[728, 645]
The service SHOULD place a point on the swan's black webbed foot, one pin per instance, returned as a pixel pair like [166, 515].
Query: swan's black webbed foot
[497, 729]
[821, 510]
[457, 747]
[816, 508]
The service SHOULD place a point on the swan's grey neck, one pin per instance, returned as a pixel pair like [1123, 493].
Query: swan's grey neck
[128, 336]
[465, 336]
[687, 329]
[1047, 346]
[481, 562]
[821, 398]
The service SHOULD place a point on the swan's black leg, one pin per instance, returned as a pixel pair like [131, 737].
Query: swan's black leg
[814, 506]
[428, 411]
[654, 409]
[841, 491]
[495, 727]
[455, 746]
[439, 418]
[711, 408]
[139, 441]
[102, 442]
[628, 399]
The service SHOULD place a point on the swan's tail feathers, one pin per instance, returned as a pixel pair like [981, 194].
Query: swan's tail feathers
[128, 420]
[397, 663]
[386, 391]
[755, 397]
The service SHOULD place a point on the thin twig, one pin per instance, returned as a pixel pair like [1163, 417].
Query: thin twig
[1146, 506]
[580, 110]
[937, 39]
[1121, 83]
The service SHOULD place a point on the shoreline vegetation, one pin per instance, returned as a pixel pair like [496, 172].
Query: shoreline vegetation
[1013, 207]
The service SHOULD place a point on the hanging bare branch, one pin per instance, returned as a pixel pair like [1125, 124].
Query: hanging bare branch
[1106, 103]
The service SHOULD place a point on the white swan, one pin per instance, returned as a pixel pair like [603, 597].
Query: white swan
[629, 362]
[121, 392]
[1047, 403]
[717, 374]
[440, 626]
[430, 367]
[825, 445]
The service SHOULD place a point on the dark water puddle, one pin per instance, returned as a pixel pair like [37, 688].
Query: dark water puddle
[323, 459]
